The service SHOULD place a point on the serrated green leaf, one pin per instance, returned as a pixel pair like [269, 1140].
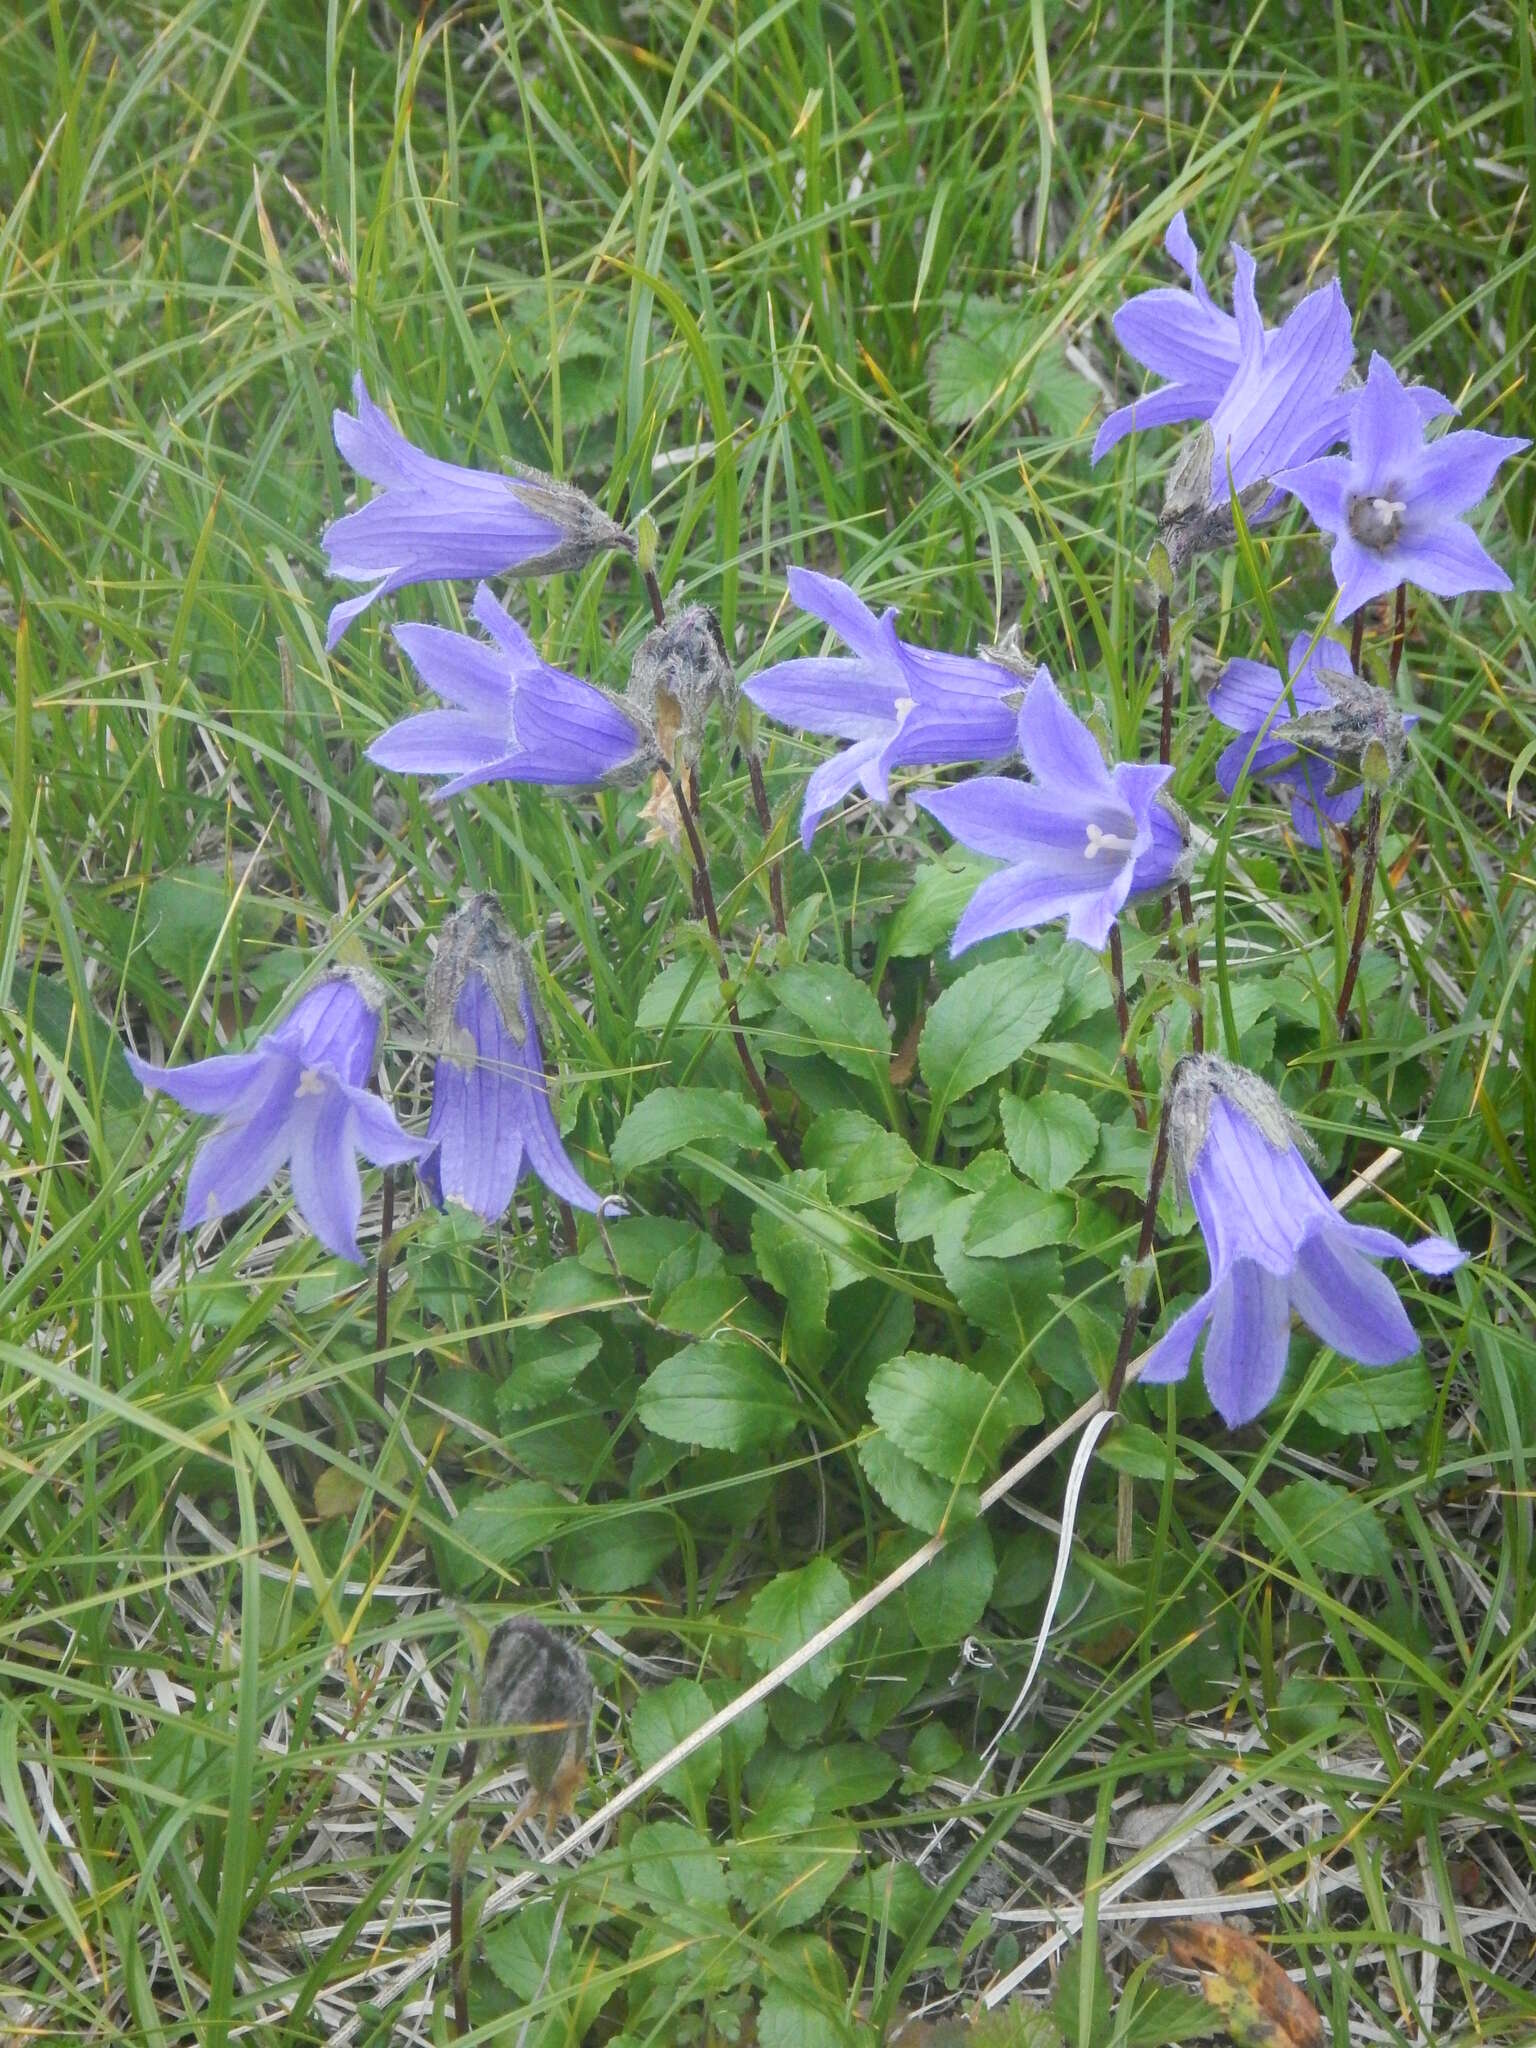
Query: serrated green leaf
[545, 1362]
[669, 1118]
[975, 363]
[931, 908]
[659, 1720]
[983, 1023]
[1333, 1528]
[791, 1609]
[1049, 1137]
[920, 1500]
[615, 1551]
[948, 1597]
[720, 1393]
[840, 1014]
[943, 1416]
[1011, 1219]
[1364, 1398]
[861, 1159]
[678, 1867]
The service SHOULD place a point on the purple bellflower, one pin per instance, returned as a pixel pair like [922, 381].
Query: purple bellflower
[1394, 505]
[439, 519]
[1079, 840]
[491, 1116]
[1271, 395]
[1250, 700]
[297, 1099]
[900, 706]
[1276, 1244]
[518, 719]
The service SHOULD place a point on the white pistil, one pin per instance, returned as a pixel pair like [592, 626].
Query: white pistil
[1100, 841]
[311, 1082]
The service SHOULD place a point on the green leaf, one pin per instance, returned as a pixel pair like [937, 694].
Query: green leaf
[860, 1158]
[511, 1520]
[894, 1895]
[1049, 1137]
[1380, 1397]
[801, 1273]
[943, 1416]
[948, 1597]
[839, 1012]
[660, 1719]
[921, 1501]
[544, 1363]
[669, 1118]
[1012, 1297]
[791, 1609]
[931, 908]
[837, 1776]
[983, 1023]
[678, 1867]
[1011, 1218]
[784, 1868]
[975, 364]
[788, 2017]
[615, 1550]
[60, 1027]
[720, 1394]
[1133, 1448]
[1334, 1528]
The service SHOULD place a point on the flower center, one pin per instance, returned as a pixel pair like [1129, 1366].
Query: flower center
[1376, 522]
[311, 1082]
[1100, 841]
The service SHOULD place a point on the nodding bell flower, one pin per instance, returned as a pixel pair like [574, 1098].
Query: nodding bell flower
[297, 1099]
[1276, 1245]
[900, 706]
[1395, 503]
[1079, 840]
[491, 1118]
[1338, 718]
[517, 719]
[434, 519]
[679, 670]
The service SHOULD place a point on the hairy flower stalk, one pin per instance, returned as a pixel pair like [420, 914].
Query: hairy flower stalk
[1276, 1245]
[434, 519]
[298, 1099]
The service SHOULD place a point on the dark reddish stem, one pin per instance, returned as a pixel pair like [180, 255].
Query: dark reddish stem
[1369, 854]
[1165, 663]
[1123, 1013]
[1143, 1252]
[765, 825]
[653, 592]
[381, 1287]
[1357, 639]
[1399, 633]
[712, 919]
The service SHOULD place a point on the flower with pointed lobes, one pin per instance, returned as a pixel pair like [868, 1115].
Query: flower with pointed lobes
[517, 718]
[436, 519]
[1337, 718]
[900, 706]
[1276, 1244]
[1079, 840]
[491, 1117]
[297, 1099]
[1394, 504]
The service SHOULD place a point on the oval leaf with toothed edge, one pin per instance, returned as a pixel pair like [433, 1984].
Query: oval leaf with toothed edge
[983, 1023]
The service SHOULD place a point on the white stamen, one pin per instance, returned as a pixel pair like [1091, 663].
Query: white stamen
[311, 1082]
[1100, 841]
[1389, 507]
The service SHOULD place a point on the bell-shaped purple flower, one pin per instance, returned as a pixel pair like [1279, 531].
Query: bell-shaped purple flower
[439, 519]
[491, 1118]
[1286, 400]
[1078, 840]
[899, 706]
[1276, 1244]
[1395, 503]
[517, 719]
[1181, 335]
[1250, 700]
[297, 1099]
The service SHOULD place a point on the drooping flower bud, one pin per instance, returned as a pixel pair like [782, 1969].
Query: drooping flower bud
[680, 670]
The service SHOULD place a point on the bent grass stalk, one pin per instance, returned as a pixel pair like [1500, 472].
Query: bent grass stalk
[431, 1956]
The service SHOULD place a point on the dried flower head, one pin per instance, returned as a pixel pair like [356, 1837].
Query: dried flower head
[536, 1688]
[680, 669]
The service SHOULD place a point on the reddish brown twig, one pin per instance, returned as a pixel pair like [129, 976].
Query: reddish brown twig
[1123, 1014]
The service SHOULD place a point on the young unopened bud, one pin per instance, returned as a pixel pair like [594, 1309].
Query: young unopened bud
[679, 670]
[1136, 1277]
[646, 539]
[536, 1686]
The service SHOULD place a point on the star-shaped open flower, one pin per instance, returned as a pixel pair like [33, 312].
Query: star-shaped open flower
[1276, 1244]
[297, 1099]
[1078, 841]
[517, 718]
[899, 706]
[491, 1118]
[1395, 503]
[1291, 750]
[436, 519]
